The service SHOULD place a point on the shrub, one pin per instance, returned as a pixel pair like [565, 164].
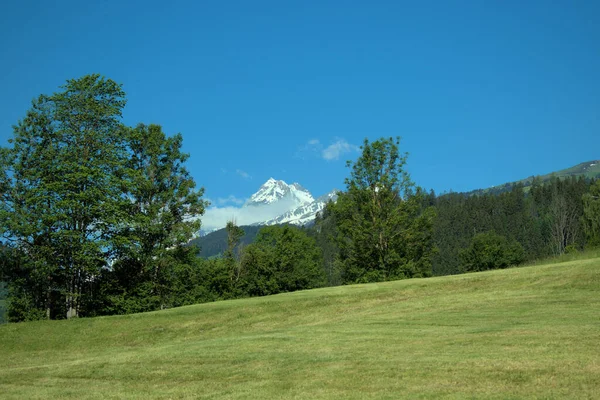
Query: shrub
[491, 251]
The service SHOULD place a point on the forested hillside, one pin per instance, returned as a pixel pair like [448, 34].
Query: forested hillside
[215, 243]
[547, 220]
[588, 170]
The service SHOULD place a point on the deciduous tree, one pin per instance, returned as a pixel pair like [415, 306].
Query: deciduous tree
[60, 193]
[591, 214]
[384, 225]
[162, 207]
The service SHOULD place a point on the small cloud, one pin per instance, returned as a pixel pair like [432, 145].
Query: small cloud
[311, 149]
[335, 150]
[231, 199]
[243, 174]
[315, 149]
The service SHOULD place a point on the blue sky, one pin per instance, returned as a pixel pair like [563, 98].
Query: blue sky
[481, 92]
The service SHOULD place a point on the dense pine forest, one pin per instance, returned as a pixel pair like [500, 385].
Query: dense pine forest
[98, 218]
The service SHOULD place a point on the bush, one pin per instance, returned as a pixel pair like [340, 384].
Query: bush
[491, 251]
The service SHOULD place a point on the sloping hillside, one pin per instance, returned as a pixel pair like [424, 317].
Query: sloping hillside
[520, 333]
[215, 243]
[588, 169]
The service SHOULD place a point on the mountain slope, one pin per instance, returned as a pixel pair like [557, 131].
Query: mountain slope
[215, 243]
[528, 332]
[303, 214]
[588, 169]
[273, 191]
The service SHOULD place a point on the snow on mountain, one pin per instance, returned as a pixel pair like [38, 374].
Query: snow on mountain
[275, 202]
[275, 191]
[303, 214]
[291, 204]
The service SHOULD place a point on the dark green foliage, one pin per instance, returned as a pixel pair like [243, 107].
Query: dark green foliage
[3, 296]
[491, 251]
[591, 214]
[384, 225]
[234, 235]
[587, 170]
[545, 220]
[162, 215]
[61, 194]
[325, 232]
[282, 259]
[92, 211]
[232, 254]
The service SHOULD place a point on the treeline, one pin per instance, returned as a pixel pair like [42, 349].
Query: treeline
[547, 220]
[97, 218]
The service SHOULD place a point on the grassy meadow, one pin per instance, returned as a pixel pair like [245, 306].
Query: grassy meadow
[531, 332]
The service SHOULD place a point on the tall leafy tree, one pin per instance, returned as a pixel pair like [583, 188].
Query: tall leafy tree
[384, 225]
[60, 193]
[564, 213]
[234, 235]
[88, 204]
[163, 207]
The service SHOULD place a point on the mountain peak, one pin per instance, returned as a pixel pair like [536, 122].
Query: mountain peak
[274, 190]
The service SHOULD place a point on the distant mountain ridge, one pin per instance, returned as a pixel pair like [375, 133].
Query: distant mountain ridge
[588, 169]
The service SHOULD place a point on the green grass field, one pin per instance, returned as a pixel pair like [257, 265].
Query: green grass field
[531, 332]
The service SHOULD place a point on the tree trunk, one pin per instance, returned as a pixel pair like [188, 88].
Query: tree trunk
[48, 307]
[72, 311]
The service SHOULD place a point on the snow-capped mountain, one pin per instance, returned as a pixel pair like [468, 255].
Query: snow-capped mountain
[286, 204]
[275, 202]
[303, 214]
[291, 204]
[274, 191]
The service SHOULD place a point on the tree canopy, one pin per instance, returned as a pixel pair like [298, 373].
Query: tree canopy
[384, 226]
[82, 193]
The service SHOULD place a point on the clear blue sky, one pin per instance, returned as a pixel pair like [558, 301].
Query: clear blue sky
[481, 92]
